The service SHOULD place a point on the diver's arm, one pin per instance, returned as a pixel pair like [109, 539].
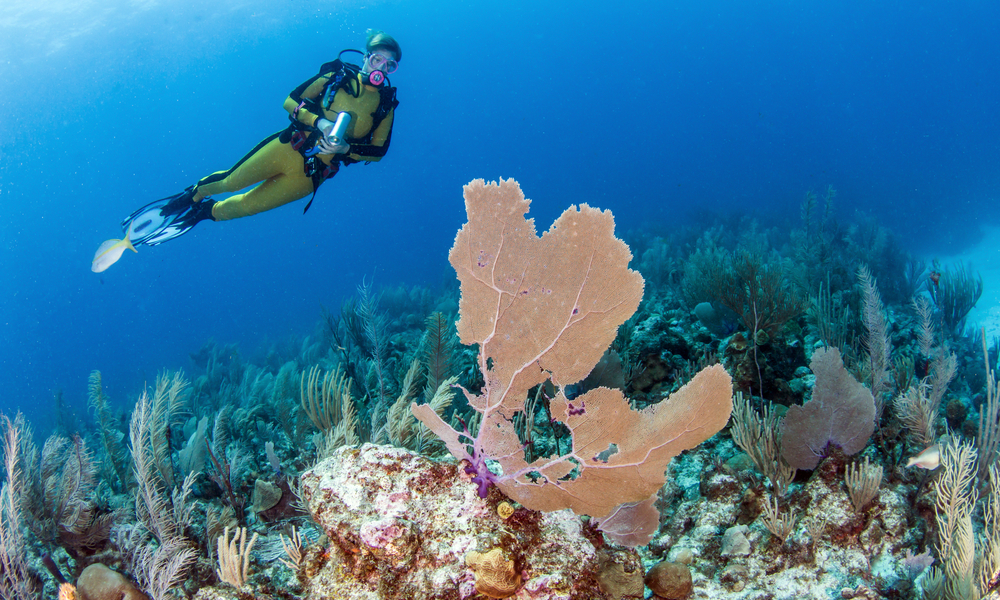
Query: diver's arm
[307, 95]
[380, 142]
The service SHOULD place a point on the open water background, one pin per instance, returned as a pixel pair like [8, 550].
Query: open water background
[663, 112]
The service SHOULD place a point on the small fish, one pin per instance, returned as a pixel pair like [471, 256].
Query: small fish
[109, 252]
[928, 459]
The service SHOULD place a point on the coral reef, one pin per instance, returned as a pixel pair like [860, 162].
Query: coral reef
[312, 453]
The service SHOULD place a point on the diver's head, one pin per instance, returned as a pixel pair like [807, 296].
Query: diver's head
[382, 56]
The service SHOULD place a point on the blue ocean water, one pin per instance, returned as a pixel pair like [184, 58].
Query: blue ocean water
[659, 111]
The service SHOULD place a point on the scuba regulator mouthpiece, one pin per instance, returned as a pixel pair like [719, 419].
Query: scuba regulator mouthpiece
[376, 78]
[339, 131]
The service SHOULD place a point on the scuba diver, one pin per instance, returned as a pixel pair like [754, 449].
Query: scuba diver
[341, 116]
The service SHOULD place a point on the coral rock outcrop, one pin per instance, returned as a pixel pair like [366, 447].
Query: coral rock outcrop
[402, 526]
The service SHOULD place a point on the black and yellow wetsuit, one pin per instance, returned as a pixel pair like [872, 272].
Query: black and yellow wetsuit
[282, 168]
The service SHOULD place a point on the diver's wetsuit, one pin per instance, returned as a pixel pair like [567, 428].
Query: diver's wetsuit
[281, 168]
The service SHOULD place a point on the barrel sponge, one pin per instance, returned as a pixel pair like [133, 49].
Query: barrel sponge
[98, 582]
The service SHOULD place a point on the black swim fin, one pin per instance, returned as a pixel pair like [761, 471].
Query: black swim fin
[164, 219]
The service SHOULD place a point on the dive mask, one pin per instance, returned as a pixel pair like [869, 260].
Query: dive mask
[381, 62]
[374, 67]
[377, 66]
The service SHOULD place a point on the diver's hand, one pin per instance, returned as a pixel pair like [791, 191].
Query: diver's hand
[326, 146]
[325, 126]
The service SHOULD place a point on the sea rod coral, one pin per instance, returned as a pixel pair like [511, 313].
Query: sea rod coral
[546, 309]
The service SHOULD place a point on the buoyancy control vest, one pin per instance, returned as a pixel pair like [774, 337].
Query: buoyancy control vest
[342, 75]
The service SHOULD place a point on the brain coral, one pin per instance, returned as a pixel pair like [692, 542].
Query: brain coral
[495, 575]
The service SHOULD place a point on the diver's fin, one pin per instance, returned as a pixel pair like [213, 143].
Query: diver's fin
[167, 218]
[178, 204]
[196, 213]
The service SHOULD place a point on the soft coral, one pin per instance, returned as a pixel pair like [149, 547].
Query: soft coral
[546, 309]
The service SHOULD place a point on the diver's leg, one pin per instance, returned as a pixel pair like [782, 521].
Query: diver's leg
[263, 162]
[276, 191]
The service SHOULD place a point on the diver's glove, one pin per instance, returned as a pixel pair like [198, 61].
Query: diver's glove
[325, 126]
[327, 145]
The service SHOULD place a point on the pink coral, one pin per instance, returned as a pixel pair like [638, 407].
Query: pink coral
[546, 309]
